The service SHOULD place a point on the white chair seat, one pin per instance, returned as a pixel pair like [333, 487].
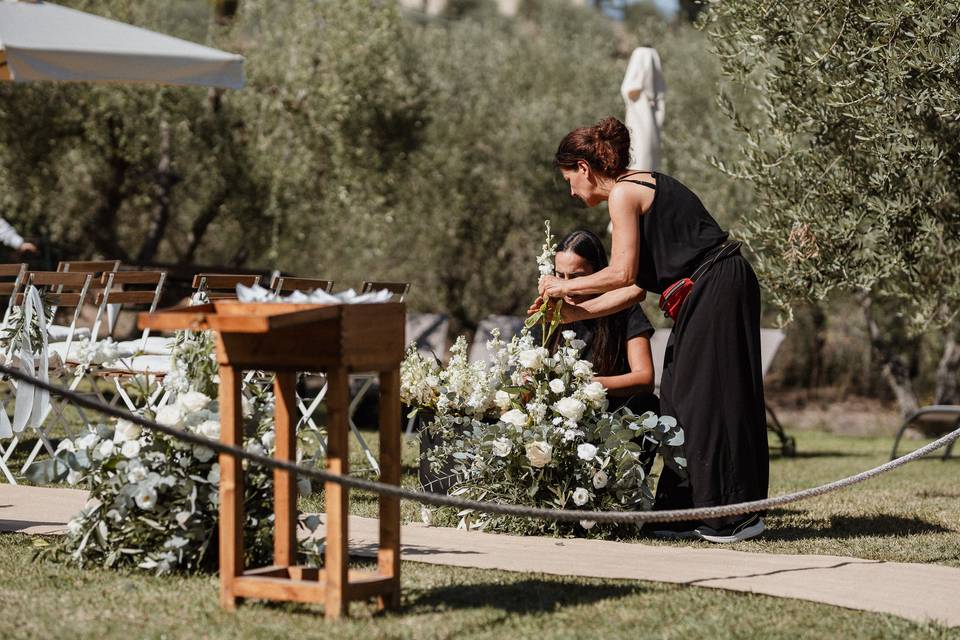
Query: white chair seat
[141, 364]
[57, 332]
[155, 346]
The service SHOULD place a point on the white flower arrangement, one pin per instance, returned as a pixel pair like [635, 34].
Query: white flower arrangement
[544, 438]
[154, 498]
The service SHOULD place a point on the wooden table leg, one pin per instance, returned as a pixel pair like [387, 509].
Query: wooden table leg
[285, 482]
[338, 461]
[388, 556]
[231, 487]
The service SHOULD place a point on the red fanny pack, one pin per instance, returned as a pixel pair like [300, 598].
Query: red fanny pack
[672, 298]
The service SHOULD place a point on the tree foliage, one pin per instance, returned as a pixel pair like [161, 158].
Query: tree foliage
[855, 153]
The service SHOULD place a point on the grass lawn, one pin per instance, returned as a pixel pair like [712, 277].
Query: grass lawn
[911, 514]
[44, 600]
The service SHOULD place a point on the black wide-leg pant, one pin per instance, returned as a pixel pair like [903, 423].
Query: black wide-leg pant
[712, 383]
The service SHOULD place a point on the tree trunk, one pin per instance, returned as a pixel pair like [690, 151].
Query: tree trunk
[103, 225]
[947, 369]
[165, 180]
[200, 225]
[818, 342]
[895, 368]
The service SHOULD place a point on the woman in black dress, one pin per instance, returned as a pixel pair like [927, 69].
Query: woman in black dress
[711, 381]
[618, 345]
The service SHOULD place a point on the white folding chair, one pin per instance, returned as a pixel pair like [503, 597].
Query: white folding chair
[220, 286]
[285, 285]
[151, 355]
[366, 380]
[59, 290]
[12, 278]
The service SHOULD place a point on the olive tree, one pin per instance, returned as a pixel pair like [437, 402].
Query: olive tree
[855, 157]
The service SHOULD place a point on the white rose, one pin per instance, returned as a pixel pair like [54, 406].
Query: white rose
[502, 399]
[126, 431]
[192, 401]
[600, 479]
[106, 448]
[146, 497]
[202, 454]
[570, 408]
[539, 453]
[531, 358]
[557, 386]
[569, 334]
[515, 417]
[136, 472]
[595, 392]
[577, 344]
[587, 524]
[170, 415]
[580, 496]
[267, 440]
[586, 451]
[130, 449]
[65, 445]
[87, 441]
[502, 447]
[582, 369]
[209, 429]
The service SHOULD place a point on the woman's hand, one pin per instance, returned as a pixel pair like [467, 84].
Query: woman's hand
[552, 287]
[569, 312]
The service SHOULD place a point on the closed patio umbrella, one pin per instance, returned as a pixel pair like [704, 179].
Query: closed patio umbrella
[44, 41]
[643, 90]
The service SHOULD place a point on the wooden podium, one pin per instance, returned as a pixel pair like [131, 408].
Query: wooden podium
[287, 338]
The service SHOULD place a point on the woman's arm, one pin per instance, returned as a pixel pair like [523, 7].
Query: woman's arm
[605, 305]
[640, 378]
[624, 259]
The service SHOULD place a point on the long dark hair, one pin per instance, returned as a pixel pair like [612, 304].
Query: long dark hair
[607, 346]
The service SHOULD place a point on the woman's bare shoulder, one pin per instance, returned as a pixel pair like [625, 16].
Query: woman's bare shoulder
[637, 197]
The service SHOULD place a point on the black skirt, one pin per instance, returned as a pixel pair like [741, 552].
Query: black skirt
[712, 383]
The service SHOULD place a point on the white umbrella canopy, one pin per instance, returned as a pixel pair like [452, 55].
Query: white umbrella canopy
[43, 41]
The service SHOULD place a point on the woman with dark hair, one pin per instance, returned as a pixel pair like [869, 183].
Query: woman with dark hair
[665, 241]
[618, 345]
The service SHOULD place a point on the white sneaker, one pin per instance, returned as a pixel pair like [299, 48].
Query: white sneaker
[749, 528]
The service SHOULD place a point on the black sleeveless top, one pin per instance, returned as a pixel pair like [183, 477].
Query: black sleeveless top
[676, 234]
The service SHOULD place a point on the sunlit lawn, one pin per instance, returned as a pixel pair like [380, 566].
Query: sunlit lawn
[912, 514]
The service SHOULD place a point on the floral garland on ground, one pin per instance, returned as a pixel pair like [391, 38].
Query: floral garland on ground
[153, 499]
[531, 427]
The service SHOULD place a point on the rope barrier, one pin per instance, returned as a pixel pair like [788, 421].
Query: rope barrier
[635, 517]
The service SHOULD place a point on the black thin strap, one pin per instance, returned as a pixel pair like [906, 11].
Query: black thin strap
[623, 178]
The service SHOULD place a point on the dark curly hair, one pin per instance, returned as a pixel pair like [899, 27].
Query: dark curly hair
[605, 147]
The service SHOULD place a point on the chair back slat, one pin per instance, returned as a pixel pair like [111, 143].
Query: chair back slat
[61, 279]
[127, 297]
[285, 284]
[88, 266]
[133, 277]
[224, 280]
[399, 289]
[52, 298]
[14, 269]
